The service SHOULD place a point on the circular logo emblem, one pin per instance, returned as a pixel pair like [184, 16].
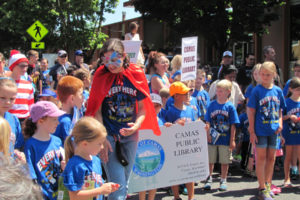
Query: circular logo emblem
[149, 158]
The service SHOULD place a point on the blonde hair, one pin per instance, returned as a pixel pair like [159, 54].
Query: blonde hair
[224, 84]
[176, 62]
[270, 66]
[256, 67]
[7, 82]
[86, 129]
[200, 72]
[4, 136]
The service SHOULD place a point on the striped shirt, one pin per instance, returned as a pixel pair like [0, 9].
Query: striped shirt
[24, 99]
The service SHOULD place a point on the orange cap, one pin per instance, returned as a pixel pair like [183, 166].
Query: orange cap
[178, 88]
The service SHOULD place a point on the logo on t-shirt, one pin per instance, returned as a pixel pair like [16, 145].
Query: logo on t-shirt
[149, 158]
[269, 107]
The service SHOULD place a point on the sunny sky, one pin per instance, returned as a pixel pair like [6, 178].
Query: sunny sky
[117, 16]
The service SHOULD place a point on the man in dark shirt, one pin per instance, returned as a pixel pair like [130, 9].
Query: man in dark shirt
[245, 72]
[60, 68]
[79, 60]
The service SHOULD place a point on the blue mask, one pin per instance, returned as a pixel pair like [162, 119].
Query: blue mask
[114, 59]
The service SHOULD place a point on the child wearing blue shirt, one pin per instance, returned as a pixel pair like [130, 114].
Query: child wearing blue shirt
[43, 151]
[181, 113]
[8, 93]
[70, 93]
[221, 117]
[291, 127]
[264, 111]
[200, 93]
[82, 176]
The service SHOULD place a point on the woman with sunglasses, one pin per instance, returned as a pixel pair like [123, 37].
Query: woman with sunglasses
[120, 99]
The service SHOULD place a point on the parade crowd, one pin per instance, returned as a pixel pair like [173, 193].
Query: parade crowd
[63, 126]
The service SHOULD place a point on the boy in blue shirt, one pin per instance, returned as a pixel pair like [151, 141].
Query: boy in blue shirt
[221, 118]
[181, 113]
[70, 93]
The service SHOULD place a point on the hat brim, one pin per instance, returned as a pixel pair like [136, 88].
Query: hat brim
[56, 113]
[155, 101]
[183, 91]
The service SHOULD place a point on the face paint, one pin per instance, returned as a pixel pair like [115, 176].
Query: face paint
[114, 59]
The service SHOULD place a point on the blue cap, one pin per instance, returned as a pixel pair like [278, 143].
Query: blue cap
[79, 53]
[47, 93]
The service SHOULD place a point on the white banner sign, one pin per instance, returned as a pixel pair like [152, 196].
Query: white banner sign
[189, 58]
[178, 156]
[132, 48]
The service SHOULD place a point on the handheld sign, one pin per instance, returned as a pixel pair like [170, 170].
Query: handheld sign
[132, 48]
[189, 58]
[179, 155]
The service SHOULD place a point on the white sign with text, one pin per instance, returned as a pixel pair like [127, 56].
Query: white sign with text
[179, 155]
[132, 49]
[189, 58]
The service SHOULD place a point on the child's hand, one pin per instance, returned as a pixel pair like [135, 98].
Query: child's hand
[20, 156]
[180, 121]
[282, 140]
[133, 127]
[279, 129]
[232, 146]
[253, 138]
[168, 124]
[108, 188]
[63, 165]
[104, 151]
[208, 138]
[294, 118]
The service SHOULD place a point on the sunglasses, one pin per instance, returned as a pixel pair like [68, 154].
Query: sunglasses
[63, 56]
[23, 66]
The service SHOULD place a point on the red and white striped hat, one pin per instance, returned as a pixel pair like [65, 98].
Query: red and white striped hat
[16, 59]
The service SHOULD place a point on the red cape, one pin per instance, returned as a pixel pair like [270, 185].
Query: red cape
[103, 81]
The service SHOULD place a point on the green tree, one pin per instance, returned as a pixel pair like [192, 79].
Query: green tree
[72, 24]
[220, 22]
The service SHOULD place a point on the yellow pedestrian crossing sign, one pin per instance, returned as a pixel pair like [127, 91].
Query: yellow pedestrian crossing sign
[37, 31]
[38, 45]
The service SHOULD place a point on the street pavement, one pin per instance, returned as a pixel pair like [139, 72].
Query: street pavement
[239, 187]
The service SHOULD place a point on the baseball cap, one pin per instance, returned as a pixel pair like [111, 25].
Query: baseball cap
[155, 98]
[227, 53]
[43, 109]
[229, 69]
[79, 53]
[62, 53]
[178, 88]
[48, 93]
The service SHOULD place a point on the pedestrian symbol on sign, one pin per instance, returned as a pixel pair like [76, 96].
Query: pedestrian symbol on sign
[38, 29]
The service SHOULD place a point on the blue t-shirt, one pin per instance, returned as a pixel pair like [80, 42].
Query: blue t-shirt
[193, 104]
[249, 91]
[162, 113]
[221, 117]
[161, 121]
[286, 88]
[43, 159]
[64, 127]
[291, 130]
[81, 174]
[119, 107]
[267, 103]
[45, 79]
[243, 125]
[174, 114]
[203, 100]
[16, 138]
[159, 76]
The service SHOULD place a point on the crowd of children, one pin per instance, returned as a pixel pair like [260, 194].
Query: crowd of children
[60, 146]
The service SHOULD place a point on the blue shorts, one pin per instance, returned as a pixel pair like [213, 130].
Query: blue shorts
[267, 141]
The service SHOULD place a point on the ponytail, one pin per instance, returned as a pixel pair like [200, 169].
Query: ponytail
[29, 128]
[69, 147]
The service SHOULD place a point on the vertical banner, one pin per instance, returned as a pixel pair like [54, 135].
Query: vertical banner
[132, 48]
[179, 155]
[189, 58]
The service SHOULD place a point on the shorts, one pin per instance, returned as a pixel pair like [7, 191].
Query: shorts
[267, 141]
[225, 155]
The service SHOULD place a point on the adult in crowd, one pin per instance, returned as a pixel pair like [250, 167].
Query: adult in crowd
[176, 65]
[133, 35]
[270, 55]
[158, 65]
[226, 61]
[120, 99]
[245, 72]
[33, 57]
[60, 68]
[79, 60]
[2, 64]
